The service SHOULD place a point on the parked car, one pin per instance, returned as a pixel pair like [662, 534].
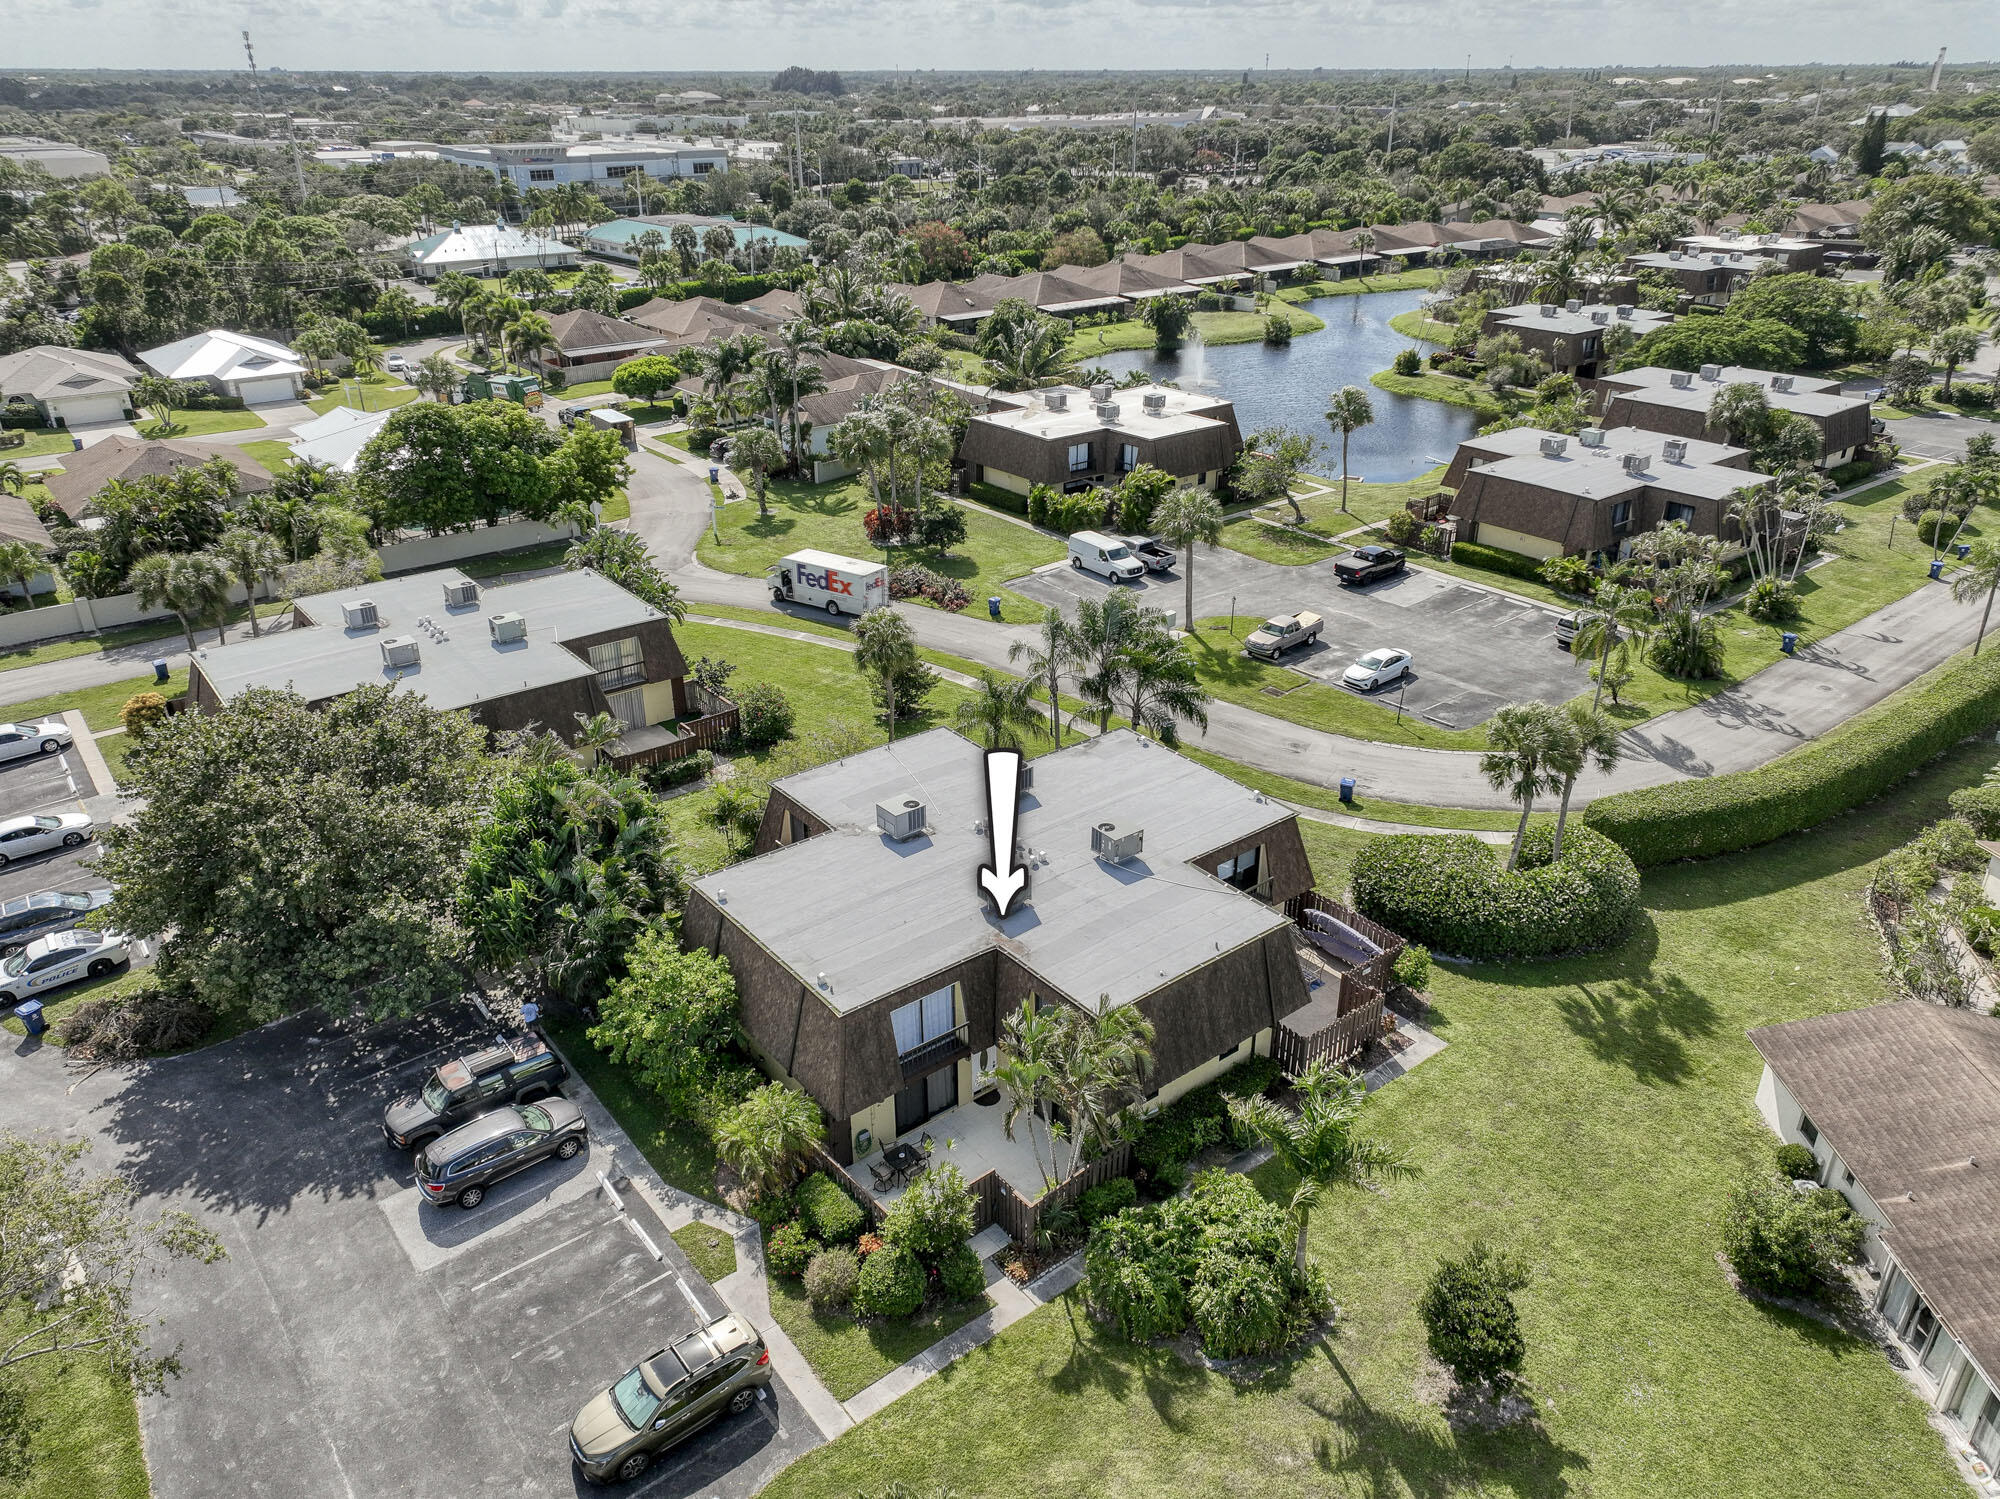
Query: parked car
[1283, 632]
[460, 1166]
[26, 917]
[1366, 564]
[1566, 628]
[1154, 553]
[65, 958]
[516, 1071]
[1377, 669]
[667, 1397]
[1107, 556]
[396, 364]
[24, 837]
[20, 740]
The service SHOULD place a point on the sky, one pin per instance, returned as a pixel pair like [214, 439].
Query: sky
[618, 35]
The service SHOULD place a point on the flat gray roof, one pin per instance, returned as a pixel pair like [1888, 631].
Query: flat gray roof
[1730, 374]
[1700, 395]
[459, 664]
[872, 915]
[1560, 320]
[1600, 473]
[1518, 441]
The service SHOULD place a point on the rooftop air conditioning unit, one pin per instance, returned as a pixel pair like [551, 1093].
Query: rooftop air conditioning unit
[1600, 315]
[1675, 449]
[1101, 392]
[1711, 372]
[461, 595]
[1548, 309]
[1107, 411]
[1591, 437]
[507, 629]
[1781, 382]
[1736, 255]
[1553, 447]
[1681, 379]
[359, 614]
[1635, 463]
[400, 650]
[1114, 844]
[1156, 402]
[1624, 309]
[1027, 776]
[1573, 305]
[1058, 400]
[901, 817]
[1673, 254]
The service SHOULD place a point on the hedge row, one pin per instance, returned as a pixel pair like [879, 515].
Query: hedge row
[1453, 893]
[1691, 819]
[1496, 560]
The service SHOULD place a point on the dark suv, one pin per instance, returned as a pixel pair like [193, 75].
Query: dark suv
[460, 1166]
[27, 917]
[667, 1397]
[516, 1071]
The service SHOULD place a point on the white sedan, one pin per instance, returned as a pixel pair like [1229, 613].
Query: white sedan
[23, 837]
[19, 740]
[1377, 669]
[51, 962]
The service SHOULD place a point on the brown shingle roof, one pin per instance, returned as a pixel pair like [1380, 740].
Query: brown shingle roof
[584, 329]
[18, 522]
[85, 473]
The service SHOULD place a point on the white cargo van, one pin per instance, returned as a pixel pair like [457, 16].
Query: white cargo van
[1107, 556]
[826, 580]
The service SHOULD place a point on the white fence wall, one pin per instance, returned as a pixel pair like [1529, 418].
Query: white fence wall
[453, 546]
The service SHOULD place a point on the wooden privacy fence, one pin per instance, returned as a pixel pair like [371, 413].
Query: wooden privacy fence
[1375, 971]
[1345, 1037]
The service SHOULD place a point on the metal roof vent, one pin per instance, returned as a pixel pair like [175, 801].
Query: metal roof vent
[461, 595]
[1574, 304]
[901, 817]
[1101, 392]
[1115, 844]
[1675, 449]
[359, 614]
[1107, 411]
[1058, 400]
[1156, 402]
[1591, 437]
[1680, 379]
[1711, 372]
[400, 651]
[1624, 309]
[507, 629]
[1781, 382]
[1554, 447]
[1635, 463]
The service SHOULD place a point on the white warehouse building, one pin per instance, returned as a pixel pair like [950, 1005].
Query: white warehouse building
[553, 163]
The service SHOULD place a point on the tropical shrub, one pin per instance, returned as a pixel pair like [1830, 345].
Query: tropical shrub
[1413, 965]
[914, 581]
[932, 1217]
[1973, 395]
[1936, 527]
[1105, 1199]
[831, 1276]
[1687, 646]
[1409, 362]
[1797, 1162]
[1402, 527]
[1278, 329]
[1980, 806]
[1698, 817]
[1772, 600]
[663, 774]
[1496, 560]
[891, 1283]
[827, 1212]
[763, 715]
[788, 1250]
[960, 1275]
[1568, 575]
[1469, 1318]
[1454, 894]
[1066, 513]
[1784, 1241]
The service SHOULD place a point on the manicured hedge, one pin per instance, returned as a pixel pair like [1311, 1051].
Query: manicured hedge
[1696, 818]
[1454, 894]
[1497, 560]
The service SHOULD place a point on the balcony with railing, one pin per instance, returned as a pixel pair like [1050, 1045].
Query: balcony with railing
[929, 1054]
[620, 677]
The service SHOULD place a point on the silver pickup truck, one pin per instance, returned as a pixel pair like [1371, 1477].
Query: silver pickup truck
[1282, 633]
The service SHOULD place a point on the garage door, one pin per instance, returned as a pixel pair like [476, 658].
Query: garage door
[264, 392]
[82, 411]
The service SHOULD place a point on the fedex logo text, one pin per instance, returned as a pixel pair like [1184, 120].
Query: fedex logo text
[829, 580]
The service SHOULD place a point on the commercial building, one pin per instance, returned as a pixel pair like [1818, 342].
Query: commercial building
[1075, 439]
[552, 163]
[68, 387]
[1571, 336]
[1900, 1106]
[56, 158]
[485, 250]
[617, 239]
[1675, 403]
[539, 651]
[256, 371]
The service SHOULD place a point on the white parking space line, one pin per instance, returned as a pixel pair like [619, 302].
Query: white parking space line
[651, 1248]
[587, 1316]
[494, 1280]
[692, 1299]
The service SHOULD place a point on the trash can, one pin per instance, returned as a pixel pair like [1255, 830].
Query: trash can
[1963, 548]
[75, 444]
[1347, 789]
[1937, 568]
[160, 672]
[1788, 642]
[30, 1013]
[993, 605]
[714, 474]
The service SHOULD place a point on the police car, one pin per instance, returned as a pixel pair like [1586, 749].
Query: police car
[52, 962]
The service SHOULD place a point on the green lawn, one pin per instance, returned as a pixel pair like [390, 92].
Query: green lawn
[1374, 809]
[100, 704]
[1366, 503]
[86, 1428]
[1413, 324]
[203, 424]
[1588, 1113]
[712, 1251]
[228, 1023]
[379, 394]
[587, 388]
[1355, 286]
[274, 455]
[617, 508]
[849, 1356]
[41, 442]
[828, 516]
[673, 440]
[1450, 389]
[679, 1151]
[643, 412]
[1222, 327]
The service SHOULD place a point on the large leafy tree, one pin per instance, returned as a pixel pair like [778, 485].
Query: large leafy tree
[447, 468]
[622, 557]
[299, 856]
[1821, 311]
[671, 1017]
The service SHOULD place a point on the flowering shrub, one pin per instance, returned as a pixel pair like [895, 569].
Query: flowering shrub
[914, 581]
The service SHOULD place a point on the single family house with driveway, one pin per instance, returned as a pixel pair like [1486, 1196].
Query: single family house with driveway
[77, 483]
[1900, 1106]
[1675, 403]
[873, 973]
[68, 387]
[1080, 439]
[256, 371]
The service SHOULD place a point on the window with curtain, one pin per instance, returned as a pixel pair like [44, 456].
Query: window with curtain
[923, 1020]
[618, 663]
[1079, 457]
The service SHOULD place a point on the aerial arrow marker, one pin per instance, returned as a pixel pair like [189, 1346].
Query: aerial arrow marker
[1002, 878]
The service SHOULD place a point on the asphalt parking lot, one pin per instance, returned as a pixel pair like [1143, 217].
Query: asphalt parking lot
[1474, 649]
[359, 1343]
[46, 783]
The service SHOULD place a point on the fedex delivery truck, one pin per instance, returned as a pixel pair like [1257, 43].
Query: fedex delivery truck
[825, 580]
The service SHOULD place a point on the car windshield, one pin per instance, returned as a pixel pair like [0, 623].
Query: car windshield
[536, 1118]
[435, 1096]
[14, 964]
[1277, 624]
[635, 1399]
[1375, 659]
[1118, 554]
[74, 902]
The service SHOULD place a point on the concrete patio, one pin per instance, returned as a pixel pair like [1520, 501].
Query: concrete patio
[970, 1136]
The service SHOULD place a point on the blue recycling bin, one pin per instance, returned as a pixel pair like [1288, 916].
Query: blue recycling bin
[530, 1013]
[75, 444]
[30, 1011]
[714, 474]
[160, 672]
[1347, 789]
[993, 605]
[1963, 548]
[1937, 568]
[1788, 642]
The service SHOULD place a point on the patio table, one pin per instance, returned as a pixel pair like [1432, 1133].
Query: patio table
[901, 1158]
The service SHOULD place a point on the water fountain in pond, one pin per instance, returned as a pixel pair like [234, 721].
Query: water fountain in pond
[1194, 362]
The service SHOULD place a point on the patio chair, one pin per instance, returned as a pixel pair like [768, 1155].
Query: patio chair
[884, 1177]
[910, 1176]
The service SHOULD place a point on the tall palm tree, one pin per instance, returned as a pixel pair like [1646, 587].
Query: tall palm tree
[1979, 575]
[862, 439]
[754, 453]
[1951, 347]
[192, 586]
[19, 563]
[1104, 628]
[1614, 614]
[1054, 656]
[885, 649]
[253, 556]
[1593, 742]
[1317, 1142]
[1000, 711]
[1158, 687]
[1055, 1057]
[1347, 412]
[435, 376]
[529, 335]
[1528, 743]
[792, 347]
[1187, 516]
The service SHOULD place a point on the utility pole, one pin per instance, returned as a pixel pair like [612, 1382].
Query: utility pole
[252, 56]
[1392, 124]
[1937, 71]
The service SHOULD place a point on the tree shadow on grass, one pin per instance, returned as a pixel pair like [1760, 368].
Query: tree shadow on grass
[773, 527]
[1640, 1023]
[1098, 1360]
[836, 499]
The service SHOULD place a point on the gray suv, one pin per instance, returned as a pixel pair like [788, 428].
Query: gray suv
[667, 1397]
[516, 1071]
[460, 1166]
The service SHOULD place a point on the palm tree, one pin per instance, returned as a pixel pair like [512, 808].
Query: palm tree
[885, 649]
[1951, 347]
[1186, 516]
[1615, 614]
[725, 361]
[595, 732]
[1349, 410]
[862, 439]
[19, 563]
[1104, 628]
[1049, 660]
[1054, 1056]
[1527, 739]
[528, 336]
[1000, 711]
[792, 346]
[1980, 574]
[754, 452]
[436, 377]
[1157, 686]
[686, 243]
[160, 397]
[253, 557]
[762, 1137]
[13, 478]
[1033, 355]
[1361, 242]
[1317, 1143]
[1593, 742]
[193, 586]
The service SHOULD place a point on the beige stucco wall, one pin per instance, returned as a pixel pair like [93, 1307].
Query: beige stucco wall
[1214, 1067]
[1491, 535]
[1013, 483]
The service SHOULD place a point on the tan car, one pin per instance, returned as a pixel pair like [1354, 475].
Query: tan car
[667, 1397]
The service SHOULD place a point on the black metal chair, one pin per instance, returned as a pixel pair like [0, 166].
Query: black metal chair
[885, 1179]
